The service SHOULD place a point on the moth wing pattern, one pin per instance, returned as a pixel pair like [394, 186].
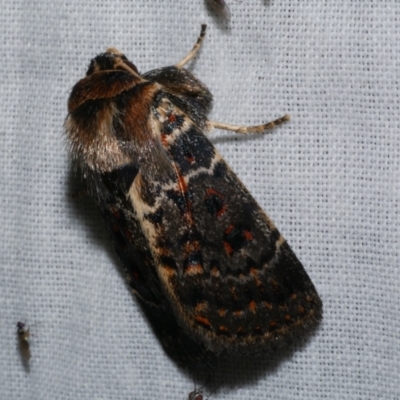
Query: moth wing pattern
[231, 278]
[210, 269]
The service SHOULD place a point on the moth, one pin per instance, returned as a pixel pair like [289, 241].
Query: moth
[23, 341]
[208, 266]
[222, 8]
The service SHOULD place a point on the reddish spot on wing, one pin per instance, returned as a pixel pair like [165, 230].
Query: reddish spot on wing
[228, 248]
[202, 320]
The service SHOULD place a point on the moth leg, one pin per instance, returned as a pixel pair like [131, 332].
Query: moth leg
[192, 53]
[248, 129]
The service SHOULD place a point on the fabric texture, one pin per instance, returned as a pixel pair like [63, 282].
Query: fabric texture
[329, 179]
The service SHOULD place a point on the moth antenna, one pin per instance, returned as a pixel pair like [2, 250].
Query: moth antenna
[249, 129]
[192, 53]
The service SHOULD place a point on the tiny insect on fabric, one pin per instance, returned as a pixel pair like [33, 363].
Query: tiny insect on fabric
[208, 266]
[23, 334]
[196, 395]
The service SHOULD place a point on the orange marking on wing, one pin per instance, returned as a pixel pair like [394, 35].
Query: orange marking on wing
[181, 183]
[163, 251]
[253, 306]
[194, 269]
[172, 118]
[202, 320]
[164, 140]
[222, 210]
[191, 246]
[229, 229]
[238, 313]
[255, 273]
[190, 158]
[170, 272]
[213, 191]
[201, 307]
[267, 305]
[228, 248]
[274, 284]
[222, 312]
[182, 187]
[223, 329]
[234, 294]
[215, 272]
[248, 235]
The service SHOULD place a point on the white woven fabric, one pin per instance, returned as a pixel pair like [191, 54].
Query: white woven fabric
[329, 179]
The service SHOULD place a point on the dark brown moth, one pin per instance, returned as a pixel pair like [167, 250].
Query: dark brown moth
[208, 266]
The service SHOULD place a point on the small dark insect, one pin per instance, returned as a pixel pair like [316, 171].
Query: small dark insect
[208, 266]
[23, 340]
[222, 8]
[196, 395]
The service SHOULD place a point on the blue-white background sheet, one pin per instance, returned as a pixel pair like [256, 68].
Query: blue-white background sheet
[329, 179]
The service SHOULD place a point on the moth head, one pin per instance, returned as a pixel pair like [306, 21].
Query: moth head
[107, 127]
[111, 60]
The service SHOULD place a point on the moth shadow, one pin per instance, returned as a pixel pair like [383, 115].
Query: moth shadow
[84, 209]
[22, 347]
[24, 361]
